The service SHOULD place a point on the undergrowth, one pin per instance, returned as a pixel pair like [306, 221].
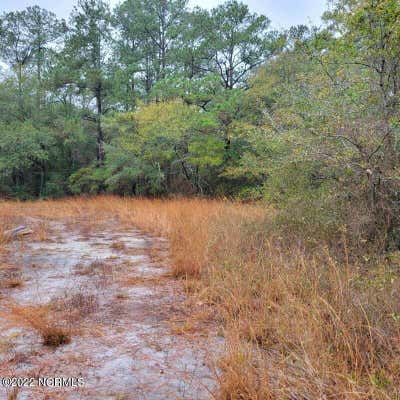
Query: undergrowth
[300, 321]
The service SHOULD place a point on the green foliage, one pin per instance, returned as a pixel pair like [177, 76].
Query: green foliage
[167, 144]
[25, 152]
[156, 98]
[239, 42]
[23, 146]
[87, 180]
[157, 62]
[128, 174]
[206, 151]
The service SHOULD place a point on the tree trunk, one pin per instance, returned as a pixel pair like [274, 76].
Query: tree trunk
[39, 78]
[100, 136]
[20, 90]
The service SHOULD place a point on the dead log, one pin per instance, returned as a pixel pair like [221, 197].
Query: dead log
[19, 231]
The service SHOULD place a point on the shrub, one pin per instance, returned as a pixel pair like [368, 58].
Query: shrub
[53, 332]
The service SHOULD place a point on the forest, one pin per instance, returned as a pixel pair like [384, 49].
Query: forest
[145, 99]
[269, 159]
[154, 98]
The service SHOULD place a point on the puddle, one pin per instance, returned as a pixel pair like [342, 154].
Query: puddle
[124, 348]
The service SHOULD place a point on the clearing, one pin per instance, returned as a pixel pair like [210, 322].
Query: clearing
[97, 301]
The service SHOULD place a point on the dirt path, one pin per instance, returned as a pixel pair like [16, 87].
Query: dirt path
[130, 338]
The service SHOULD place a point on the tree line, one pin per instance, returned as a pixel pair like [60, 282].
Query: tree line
[65, 81]
[154, 98]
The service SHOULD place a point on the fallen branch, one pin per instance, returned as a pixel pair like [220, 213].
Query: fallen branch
[19, 231]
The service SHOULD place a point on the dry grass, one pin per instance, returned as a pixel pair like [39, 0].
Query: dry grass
[101, 271]
[52, 332]
[13, 394]
[298, 325]
[77, 304]
[122, 296]
[10, 277]
[118, 246]
[13, 283]
[245, 374]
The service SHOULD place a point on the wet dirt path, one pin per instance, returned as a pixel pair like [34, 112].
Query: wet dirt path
[129, 335]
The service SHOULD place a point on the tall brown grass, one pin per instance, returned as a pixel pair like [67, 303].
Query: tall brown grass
[299, 324]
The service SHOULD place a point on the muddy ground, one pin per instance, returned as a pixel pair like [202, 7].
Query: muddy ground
[130, 332]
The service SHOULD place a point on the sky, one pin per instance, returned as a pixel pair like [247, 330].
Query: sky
[282, 13]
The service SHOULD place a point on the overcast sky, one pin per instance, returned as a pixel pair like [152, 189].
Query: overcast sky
[282, 13]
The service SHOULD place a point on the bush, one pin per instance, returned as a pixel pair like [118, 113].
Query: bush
[88, 180]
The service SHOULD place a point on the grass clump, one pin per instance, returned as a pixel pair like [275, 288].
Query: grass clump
[13, 283]
[13, 394]
[55, 336]
[52, 332]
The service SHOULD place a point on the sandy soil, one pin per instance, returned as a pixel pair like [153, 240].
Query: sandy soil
[130, 336]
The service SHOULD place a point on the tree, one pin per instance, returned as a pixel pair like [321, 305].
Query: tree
[86, 54]
[44, 29]
[191, 49]
[16, 48]
[147, 31]
[238, 41]
[134, 52]
[328, 106]
[166, 147]
[368, 47]
[24, 155]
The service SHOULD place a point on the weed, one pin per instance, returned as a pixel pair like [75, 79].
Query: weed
[13, 283]
[118, 246]
[122, 296]
[79, 303]
[55, 336]
[53, 332]
[13, 394]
